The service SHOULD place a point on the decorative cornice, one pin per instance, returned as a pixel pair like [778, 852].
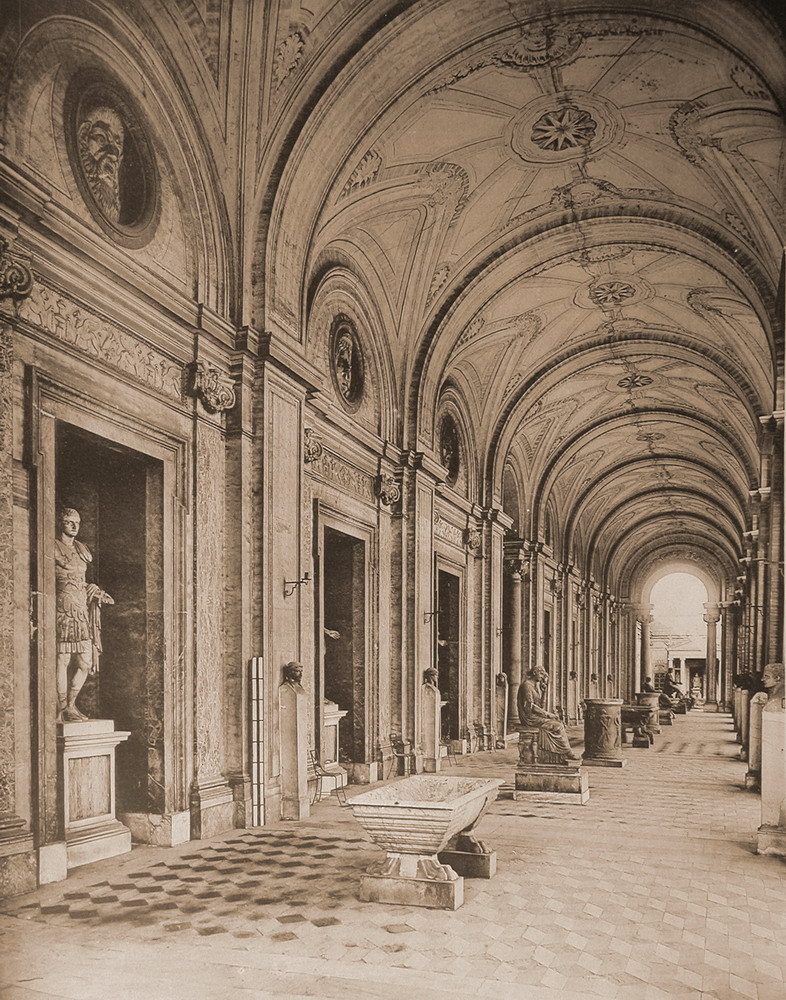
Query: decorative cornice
[213, 387]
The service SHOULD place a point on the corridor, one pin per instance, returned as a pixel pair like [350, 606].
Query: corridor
[650, 891]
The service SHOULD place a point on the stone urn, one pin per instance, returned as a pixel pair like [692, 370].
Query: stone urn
[414, 820]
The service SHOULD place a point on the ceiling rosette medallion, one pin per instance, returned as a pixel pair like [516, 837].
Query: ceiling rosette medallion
[569, 125]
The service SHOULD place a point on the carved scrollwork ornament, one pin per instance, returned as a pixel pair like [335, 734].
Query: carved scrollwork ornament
[215, 389]
[312, 446]
[16, 278]
[388, 489]
[473, 540]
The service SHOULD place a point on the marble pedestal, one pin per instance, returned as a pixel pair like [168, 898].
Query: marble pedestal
[772, 832]
[602, 735]
[556, 783]
[753, 777]
[87, 754]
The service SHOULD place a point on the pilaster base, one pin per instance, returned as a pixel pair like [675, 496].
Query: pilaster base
[163, 830]
[551, 782]
[753, 780]
[52, 863]
[431, 765]
[212, 809]
[18, 867]
[470, 865]
[97, 842]
[771, 840]
[448, 895]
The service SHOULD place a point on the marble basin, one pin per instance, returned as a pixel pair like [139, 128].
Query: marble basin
[420, 814]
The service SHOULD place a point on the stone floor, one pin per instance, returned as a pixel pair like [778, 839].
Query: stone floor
[651, 890]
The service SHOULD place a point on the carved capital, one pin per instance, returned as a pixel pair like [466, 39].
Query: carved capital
[215, 389]
[312, 446]
[388, 489]
[16, 278]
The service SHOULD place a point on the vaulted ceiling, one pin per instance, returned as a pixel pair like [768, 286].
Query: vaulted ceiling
[573, 216]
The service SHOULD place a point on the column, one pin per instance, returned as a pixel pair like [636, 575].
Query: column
[644, 616]
[514, 624]
[711, 617]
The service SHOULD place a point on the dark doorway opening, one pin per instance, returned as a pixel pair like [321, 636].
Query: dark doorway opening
[448, 632]
[118, 493]
[344, 638]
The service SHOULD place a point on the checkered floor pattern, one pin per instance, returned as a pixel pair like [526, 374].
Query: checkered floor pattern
[652, 890]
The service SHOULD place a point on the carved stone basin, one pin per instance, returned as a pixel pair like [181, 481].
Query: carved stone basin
[421, 814]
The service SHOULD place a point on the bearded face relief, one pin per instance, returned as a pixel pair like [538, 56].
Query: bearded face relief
[347, 362]
[101, 138]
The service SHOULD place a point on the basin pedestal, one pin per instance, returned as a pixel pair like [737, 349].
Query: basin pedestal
[425, 824]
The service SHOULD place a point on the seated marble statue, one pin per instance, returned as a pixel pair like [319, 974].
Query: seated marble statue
[532, 715]
[648, 687]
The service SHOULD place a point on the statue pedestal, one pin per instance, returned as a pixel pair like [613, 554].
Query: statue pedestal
[772, 832]
[602, 737]
[293, 730]
[92, 831]
[652, 701]
[430, 711]
[547, 782]
[552, 783]
[753, 777]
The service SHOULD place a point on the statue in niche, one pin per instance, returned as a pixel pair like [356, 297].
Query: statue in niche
[100, 141]
[78, 607]
[552, 736]
[772, 678]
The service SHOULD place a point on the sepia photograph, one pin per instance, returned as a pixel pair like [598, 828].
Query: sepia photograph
[392, 500]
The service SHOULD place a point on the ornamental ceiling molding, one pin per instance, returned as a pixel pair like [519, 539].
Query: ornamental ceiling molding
[547, 44]
[289, 55]
[364, 174]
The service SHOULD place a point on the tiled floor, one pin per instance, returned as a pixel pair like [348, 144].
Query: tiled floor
[651, 890]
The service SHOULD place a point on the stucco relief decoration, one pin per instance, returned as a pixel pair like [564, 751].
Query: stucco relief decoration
[112, 158]
[388, 489]
[449, 448]
[103, 341]
[438, 279]
[543, 45]
[472, 330]
[612, 292]
[684, 126]
[288, 56]
[365, 173]
[215, 389]
[563, 128]
[635, 381]
[750, 83]
[346, 362]
[449, 185]
[16, 278]
[312, 446]
[335, 470]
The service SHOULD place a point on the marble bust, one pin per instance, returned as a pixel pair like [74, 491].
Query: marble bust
[772, 678]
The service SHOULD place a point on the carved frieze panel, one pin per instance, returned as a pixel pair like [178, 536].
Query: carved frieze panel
[448, 531]
[101, 340]
[351, 479]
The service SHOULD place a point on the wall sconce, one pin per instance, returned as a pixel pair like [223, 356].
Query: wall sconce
[292, 585]
[429, 615]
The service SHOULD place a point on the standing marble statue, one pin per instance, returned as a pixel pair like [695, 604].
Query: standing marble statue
[532, 715]
[78, 615]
